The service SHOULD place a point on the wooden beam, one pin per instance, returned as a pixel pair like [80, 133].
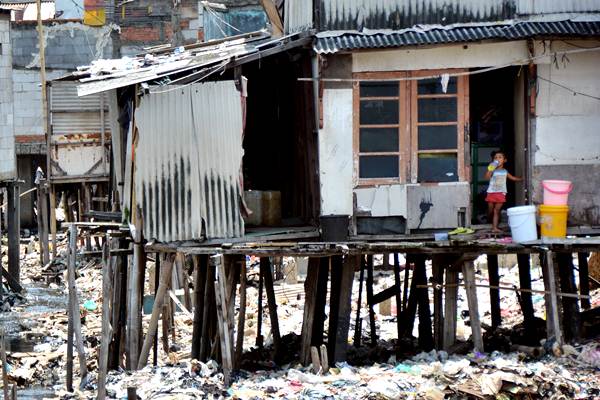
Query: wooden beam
[398, 293]
[239, 345]
[13, 211]
[358, 320]
[386, 294]
[274, 18]
[334, 295]
[370, 303]
[223, 319]
[469, 277]
[425, 334]
[494, 278]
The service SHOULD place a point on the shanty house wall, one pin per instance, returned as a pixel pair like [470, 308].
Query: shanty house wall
[565, 129]
[340, 193]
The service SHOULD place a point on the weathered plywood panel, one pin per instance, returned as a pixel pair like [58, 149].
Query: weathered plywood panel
[335, 153]
[437, 206]
[382, 201]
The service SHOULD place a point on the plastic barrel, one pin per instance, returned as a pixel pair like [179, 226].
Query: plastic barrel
[556, 193]
[522, 223]
[553, 221]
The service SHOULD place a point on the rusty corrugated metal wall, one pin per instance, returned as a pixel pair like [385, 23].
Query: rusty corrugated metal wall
[187, 162]
[298, 15]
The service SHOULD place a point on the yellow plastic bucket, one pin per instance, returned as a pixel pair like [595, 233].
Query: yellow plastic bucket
[553, 221]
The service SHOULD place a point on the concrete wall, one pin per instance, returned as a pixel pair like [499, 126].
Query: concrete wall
[7, 140]
[566, 138]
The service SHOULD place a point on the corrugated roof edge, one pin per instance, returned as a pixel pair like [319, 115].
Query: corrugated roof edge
[335, 41]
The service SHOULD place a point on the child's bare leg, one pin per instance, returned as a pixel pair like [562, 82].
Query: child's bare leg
[490, 212]
[496, 217]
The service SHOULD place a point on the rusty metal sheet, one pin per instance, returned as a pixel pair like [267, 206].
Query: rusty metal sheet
[187, 162]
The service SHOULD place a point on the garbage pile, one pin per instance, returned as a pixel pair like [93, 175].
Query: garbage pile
[433, 375]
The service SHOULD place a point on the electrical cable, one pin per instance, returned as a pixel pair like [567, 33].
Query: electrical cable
[575, 92]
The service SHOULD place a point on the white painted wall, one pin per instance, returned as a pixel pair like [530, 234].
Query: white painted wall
[566, 126]
[455, 56]
[8, 164]
[335, 153]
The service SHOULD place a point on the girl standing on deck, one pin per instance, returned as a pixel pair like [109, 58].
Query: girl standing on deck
[496, 192]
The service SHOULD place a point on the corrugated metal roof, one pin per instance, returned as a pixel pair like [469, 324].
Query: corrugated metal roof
[70, 114]
[456, 34]
[187, 162]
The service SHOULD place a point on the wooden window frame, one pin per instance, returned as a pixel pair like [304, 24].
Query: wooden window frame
[408, 125]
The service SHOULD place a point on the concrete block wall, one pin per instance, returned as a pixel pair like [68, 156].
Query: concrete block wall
[7, 139]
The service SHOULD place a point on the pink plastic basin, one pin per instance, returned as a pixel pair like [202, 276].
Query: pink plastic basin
[556, 193]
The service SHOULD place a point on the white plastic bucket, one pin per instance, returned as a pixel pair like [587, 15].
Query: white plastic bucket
[556, 193]
[522, 223]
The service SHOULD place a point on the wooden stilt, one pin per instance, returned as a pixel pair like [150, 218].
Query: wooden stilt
[107, 280]
[239, 345]
[74, 304]
[552, 318]
[207, 311]
[405, 292]
[4, 363]
[570, 307]
[321, 300]
[157, 267]
[469, 276]
[334, 304]
[358, 321]
[310, 297]
[324, 359]
[118, 309]
[398, 294]
[525, 297]
[53, 219]
[42, 221]
[584, 279]
[265, 269]
[425, 334]
[410, 311]
[134, 318]
[370, 303]
[223, 319]
[69, 362]
[183, 283]
[344, 308]
[315, 359]
[201, 271]
[438, 301]
[494, 278]
[450, 308]
[260, 311]
[14, 237]
[161, 294]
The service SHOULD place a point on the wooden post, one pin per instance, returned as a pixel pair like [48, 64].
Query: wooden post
[157, 266]
[223, 319]
[398, 293]
[525, 297]
[494, 278]
[200, 269]
[584, 280]
[207, 312]
[161, 294]
[107, 280]
[334, 303]
[74, 304]
[132, 393]
[344, 308]
[14, 237]
[450, 307]
[370, 300]
[53, 218]
[260, 311]
[571, 317]
[118, 314]
[471, 289]
[410, 311]
[134, 317]
[4, 363]
[239, 345]
[438, 301]
[425, 334]
[552, 318]
[358, 321]
[310, 297]
[265, 270]
[42, 219]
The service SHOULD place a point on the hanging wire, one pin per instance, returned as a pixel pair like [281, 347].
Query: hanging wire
[575, 92]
